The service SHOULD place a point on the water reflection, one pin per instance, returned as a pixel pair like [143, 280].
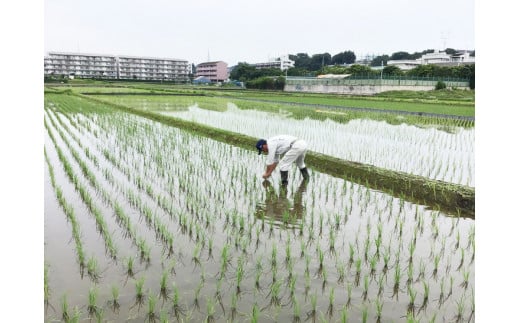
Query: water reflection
[279, 208]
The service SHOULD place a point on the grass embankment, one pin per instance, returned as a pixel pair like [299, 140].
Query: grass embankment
[450, 198]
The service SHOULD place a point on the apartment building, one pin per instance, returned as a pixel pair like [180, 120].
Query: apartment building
[116, 67]
[153, 69]
[81, 65]
[283, 63]
[214, 71]
[436, 58]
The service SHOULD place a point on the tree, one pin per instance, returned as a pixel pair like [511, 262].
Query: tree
[400, 55]
[301, 60]
[347, 57]
[392, 70]
[450, 51]
[319, 60]
[357, 69]
[378, 59]
[244, 72]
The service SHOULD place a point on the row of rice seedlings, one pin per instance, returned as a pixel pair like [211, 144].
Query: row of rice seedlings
[69, 212]
[140, 242]
[87, 199]
[125, 220]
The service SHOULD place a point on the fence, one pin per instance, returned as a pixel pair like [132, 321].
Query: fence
[372, 80]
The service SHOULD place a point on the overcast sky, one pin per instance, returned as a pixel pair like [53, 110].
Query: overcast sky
[254, 31]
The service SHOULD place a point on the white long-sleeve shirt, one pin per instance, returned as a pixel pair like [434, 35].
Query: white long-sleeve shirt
[277, 146]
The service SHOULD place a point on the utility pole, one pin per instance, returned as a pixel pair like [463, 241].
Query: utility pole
[381, 71]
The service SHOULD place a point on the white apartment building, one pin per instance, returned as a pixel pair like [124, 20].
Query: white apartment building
[435, 58]
[283, 63]
[116, 67]
[153, 69]
[81, 65]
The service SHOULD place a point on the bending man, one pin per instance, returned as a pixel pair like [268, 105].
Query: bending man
[292, 149]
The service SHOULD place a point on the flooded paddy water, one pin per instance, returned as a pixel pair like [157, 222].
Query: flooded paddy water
[148, 222]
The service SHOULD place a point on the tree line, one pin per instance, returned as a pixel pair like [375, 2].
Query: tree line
[344, 63]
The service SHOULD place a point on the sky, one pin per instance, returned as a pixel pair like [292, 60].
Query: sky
[255, 31]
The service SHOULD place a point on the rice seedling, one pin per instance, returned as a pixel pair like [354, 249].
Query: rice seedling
[233, 306]
[465, 281]
[46, 289]
[351, 254]
[307, 282]
[373, 264]
[210, 310]
[461, 259]
[196, 254]
[366, 283]
[93, 269]
[92, 307]
[332, 242]
[274, 256]
[422, 271]
[441, 294]
[324, 277]
[177, 308]
[255, 312]
[451, 287]
[436, 261]
[163, 285]
[163, 317]
[288, 252]
[412, 294]
[292, 286]
[472, 313]
[197, 294]
[114, 302]
[139, 293]
[358, 271]
[386, 259]
[76, 316]
[330, 309]
[381, 284]
[397, 280]
[321, 258]
[152, 301]
[296, 310]
[341, 272]
[379, 310]
[313, 311]
[344, 315]
[461, 308]
[410, 275]
[410, 318]
[275, 294]
[349, 295]
[65, 315]
[364, 314]
[239, 274]
[426, 295]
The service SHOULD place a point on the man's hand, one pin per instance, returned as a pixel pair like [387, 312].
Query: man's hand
[269, 170]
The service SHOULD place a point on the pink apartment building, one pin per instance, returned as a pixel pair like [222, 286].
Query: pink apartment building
[215, 71]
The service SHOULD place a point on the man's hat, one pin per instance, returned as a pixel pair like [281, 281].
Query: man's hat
[259, 145]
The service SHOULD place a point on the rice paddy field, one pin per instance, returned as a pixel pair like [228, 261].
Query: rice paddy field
[148, 222]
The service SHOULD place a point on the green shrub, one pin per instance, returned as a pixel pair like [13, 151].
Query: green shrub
[440, 85]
